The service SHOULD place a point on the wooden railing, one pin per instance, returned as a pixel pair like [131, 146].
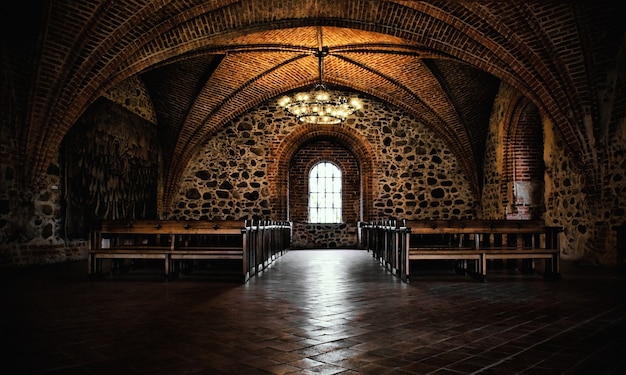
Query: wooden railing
[178, 243]
[470, 243]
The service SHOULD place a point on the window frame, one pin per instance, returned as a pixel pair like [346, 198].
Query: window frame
[327, 187]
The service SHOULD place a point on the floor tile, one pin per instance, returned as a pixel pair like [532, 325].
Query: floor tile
[313, 312]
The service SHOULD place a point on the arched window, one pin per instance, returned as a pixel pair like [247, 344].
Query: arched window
[325, 193]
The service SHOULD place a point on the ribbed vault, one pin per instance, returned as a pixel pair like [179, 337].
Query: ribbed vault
[206, 62]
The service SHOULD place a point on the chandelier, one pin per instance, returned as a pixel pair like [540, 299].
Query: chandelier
[319, 106]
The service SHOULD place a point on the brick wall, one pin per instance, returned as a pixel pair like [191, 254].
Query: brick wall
[513, 168]
[302, 163]
[320, 235]
[523, 174]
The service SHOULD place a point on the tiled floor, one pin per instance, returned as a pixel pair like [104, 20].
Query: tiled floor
[313, 312]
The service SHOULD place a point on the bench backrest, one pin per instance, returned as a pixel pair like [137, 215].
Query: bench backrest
[473, 226]
[173, 227]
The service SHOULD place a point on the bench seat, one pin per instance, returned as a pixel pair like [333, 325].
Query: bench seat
[397, 244]
[254, 244]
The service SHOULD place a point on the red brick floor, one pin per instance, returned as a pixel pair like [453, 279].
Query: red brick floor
[313, 312]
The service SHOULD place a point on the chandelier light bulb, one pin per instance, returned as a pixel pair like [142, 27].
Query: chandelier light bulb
[319, 106]
[284, 101]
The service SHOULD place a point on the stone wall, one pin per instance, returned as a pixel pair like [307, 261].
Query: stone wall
[492, 200]
[227, 180]
[324, 236]
[32, 223]
[34, 220]
[588, 217]
[416, 175]
[567, 202]
[132, 95]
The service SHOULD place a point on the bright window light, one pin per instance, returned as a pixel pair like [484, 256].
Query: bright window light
[325, 193]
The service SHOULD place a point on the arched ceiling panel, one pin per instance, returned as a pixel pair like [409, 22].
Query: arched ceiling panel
[555, 53]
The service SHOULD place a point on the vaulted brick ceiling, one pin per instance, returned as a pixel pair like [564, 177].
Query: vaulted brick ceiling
[195, 96]
[205, 62]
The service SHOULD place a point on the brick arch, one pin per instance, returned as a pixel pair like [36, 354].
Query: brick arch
[309, 155]
[295, 72]
[522, 174]
[342, 134]
[142, 36]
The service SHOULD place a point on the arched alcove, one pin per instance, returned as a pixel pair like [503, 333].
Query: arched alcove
[301, 150]
[524, 167]
[342, 135]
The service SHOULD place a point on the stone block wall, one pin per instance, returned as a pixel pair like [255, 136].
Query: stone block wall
[324, 236]
[615, 178]
[416, 175]
[34, 220]
[587, 216]
[492, 200]
[228, 178]
[132, 95]
[567, 201]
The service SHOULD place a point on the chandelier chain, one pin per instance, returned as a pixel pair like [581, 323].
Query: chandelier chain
[319, 106]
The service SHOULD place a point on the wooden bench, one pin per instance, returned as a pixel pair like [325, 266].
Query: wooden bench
[179, 244]
[215, 240]
[472, 244]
